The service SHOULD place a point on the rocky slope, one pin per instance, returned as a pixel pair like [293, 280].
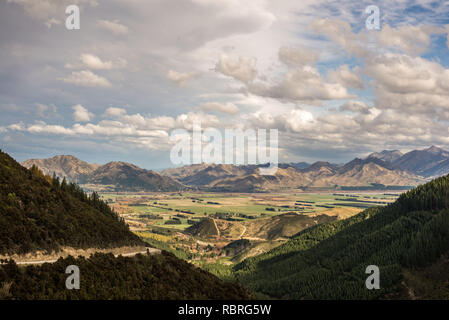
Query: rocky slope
[66, 166]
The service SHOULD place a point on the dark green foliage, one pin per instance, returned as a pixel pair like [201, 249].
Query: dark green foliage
[235, 247]
[38, 212]
[102, 276]
[173, 221]
[224, 272]
[328, 261]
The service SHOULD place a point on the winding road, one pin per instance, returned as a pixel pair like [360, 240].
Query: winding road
[129, 254]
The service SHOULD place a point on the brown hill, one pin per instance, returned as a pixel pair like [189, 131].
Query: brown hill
[128, 177]
[206, 173]
[365, 173]
[70, 167]
[205, 228]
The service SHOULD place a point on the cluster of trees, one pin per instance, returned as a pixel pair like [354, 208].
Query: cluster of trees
[229, 216]
[328, 261]
[235, 247]
[178, 252]
[102, 276]
[38, 212]
[173, 221]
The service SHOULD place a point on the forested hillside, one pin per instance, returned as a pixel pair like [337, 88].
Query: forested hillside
[329, 261]
[155, 277]
[38, 212]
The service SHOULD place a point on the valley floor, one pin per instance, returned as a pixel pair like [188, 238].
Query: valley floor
[241, 224]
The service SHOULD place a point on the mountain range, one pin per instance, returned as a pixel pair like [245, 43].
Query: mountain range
[379, 169]
[117, 175]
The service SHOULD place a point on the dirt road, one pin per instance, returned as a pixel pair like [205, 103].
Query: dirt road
[128, 254]
[243, 232]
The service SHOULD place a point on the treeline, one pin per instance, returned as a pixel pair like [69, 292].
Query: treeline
[102, 276]
[328, 261]
[38, 212]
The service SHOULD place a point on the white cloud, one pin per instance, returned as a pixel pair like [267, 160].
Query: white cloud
[346, 77]
[409, 83]
[114, 112]
[186, 121]
[301, 84]
[227, 107]
[134, 128]
[340, 32]
[242, 69]
[296, 120]
[295, 57]
[42, 127]
[299, 120]
[113, 26]
[180, 78]
[87, 78]
[94, 62]
[16, 126]
[81, 114]
[413, 40]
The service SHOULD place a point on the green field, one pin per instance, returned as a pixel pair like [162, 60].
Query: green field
[240, 206]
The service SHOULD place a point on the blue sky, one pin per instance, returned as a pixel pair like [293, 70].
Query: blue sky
[136, 70]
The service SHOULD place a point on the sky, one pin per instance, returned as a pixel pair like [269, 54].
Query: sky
[136, 70]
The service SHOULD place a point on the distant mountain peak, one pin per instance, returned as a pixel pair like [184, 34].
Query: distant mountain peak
[119, 164]
[386, 155]
[366, 161]
[318, 164]
[434, 149]
[426, 162]
[65, 156]
[64, 166]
